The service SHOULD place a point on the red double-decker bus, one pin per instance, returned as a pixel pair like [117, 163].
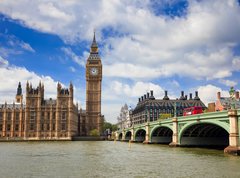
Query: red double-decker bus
[192, 110]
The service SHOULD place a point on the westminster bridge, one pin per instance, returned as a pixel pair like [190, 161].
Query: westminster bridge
[207, 129]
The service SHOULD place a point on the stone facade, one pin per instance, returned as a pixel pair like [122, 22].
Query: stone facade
[39, 119]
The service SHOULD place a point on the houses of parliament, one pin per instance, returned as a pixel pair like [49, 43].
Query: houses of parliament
[38, 118]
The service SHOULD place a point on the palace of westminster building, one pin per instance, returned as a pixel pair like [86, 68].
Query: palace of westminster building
[55, 119]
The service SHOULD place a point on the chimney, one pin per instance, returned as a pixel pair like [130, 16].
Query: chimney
[196, 96]
[151, 96]
[147, 95]
[182, 95]
[151, 93]
[166, 96]
[185, 97]
[190, 96]
[142, 98]
[237, 95]
[139, 99]
[219, 95]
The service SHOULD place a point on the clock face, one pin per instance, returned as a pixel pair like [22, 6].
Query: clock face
[94, 71]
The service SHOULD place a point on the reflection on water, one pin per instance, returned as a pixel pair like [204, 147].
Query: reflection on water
[112, 159]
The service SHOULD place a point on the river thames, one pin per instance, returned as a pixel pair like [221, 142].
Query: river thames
[112, 159]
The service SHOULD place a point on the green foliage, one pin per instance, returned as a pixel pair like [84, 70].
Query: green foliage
[94, 132]
[108, 125]
[114, 127]
[164, 116]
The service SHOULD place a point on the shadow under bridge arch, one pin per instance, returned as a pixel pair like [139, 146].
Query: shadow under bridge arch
[140, 135]
[205, 135]
[161, 134]
[120, 136]
[128, 135]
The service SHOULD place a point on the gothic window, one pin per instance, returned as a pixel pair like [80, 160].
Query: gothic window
[42, 127]
[32, 126]
[48, 115]
[53, 126]
[8, 127]
[54, 115]
[48, 126]
[1, 127]
[16, 127]
[64, 115]
[63, 126]
[32, 115]
[1, 116]
[9, 116]
[17, 116]
[42, 116]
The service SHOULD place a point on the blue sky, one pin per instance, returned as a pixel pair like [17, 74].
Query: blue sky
[144, 45]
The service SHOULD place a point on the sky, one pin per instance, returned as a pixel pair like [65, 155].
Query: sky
[173, 45]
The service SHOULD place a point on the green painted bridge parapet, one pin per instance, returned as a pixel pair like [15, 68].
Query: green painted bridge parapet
[207, 129]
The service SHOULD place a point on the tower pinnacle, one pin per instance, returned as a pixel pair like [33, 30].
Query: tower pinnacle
[94, 46]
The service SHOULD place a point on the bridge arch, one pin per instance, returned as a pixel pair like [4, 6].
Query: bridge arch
[207, 134]
[161, 134]
[128, 135]
[140, 135]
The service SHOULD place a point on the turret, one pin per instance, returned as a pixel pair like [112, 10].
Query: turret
[71, 89]
[19, 96]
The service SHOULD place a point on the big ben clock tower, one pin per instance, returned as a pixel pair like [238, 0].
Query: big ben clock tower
[93, 89]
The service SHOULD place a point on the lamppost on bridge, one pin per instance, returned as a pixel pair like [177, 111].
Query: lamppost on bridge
[175, 109]
[232, 98]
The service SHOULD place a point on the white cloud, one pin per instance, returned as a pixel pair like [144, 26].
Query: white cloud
[195, 45]
[73, 56]
[228, 83]
[11, 75]
[208, 93]
[72, 69]
[51, 11]
[27, 47]
[3, 62]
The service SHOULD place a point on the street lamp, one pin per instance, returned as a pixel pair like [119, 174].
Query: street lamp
[232, 97]
[175, 109]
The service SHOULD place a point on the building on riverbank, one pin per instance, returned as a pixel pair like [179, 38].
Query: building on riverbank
[224, 103]
[38, 118]
[124, 118]
[150, 109]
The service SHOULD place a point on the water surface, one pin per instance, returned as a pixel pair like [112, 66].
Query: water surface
[112, 159]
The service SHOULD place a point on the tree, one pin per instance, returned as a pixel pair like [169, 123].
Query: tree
[107, 125]
[94, 132]
[164, 116]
